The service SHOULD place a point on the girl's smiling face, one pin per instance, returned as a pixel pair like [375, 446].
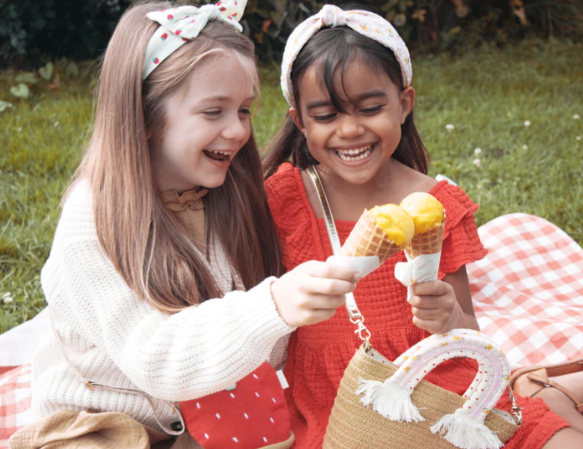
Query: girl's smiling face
[357, 143]
[207, 122]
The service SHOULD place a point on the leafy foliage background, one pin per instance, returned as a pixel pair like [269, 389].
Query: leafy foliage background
[35, 31]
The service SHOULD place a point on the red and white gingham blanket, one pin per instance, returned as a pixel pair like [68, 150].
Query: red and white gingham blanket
[14, 402]
[528, 296]
[528, 290]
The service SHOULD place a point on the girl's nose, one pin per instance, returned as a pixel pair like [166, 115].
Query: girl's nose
[349, 127]
[237, 128]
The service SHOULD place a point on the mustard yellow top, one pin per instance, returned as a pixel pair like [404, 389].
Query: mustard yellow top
[395, 222]
[425, 209]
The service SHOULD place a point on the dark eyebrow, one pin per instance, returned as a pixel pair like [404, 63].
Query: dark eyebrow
[317, 104]
[361, 97]
[371, 94]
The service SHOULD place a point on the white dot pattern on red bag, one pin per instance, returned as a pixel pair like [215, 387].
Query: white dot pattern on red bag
[234, 440]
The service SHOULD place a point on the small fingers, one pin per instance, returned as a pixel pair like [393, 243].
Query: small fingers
[431, 288]
[326, 270]
[424, 302]
[327, 302]
[427, 325]
[423, 314]
[326, 286]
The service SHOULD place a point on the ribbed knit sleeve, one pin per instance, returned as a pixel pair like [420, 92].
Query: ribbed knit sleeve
[293, 216]
[193, 353]
[461, 242]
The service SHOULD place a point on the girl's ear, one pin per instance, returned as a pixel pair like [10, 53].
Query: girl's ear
[407, 102]
[297, 118]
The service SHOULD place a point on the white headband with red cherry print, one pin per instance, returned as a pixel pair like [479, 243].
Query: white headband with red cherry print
[181, 24]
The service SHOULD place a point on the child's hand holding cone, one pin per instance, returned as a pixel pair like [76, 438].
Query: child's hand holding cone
[433, 303]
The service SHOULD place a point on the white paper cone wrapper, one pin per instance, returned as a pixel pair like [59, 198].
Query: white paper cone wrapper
[364, 265]
[423, 268]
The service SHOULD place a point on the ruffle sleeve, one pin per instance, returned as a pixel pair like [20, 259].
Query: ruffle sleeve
[292, 213]
[282, 190]
[461, 242]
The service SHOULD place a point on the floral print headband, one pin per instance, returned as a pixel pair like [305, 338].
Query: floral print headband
[364, 22]
[179, 25]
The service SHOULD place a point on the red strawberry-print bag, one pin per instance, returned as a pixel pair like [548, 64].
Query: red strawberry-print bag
[251, 414]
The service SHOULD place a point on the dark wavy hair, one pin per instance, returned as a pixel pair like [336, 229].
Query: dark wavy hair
[331, 50]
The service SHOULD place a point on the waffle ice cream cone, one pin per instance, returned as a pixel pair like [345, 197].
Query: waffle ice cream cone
[429, 218]
[368, 238]
[427, 243]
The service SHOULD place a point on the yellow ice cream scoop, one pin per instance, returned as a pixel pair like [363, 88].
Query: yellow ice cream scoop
[395, 222]
[426, 211]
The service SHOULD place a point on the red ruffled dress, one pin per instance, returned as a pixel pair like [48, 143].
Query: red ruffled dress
[319, 354]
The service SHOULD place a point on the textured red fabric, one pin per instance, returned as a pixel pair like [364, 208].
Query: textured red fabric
[319, 354]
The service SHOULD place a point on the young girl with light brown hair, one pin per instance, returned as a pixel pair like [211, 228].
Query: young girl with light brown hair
[166, 212]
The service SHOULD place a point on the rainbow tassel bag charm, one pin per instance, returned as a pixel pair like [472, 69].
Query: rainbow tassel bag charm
[465, 427]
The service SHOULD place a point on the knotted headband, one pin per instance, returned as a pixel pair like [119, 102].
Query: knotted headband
[363, 22]
[179, 25]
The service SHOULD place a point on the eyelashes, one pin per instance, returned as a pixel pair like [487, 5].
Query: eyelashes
[216, 113]
[328, 117]
[323, 118]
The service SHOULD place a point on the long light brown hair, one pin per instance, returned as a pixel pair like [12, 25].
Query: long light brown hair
[144, 241]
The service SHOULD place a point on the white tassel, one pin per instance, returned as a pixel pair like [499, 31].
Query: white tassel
[389, 400]
[465, 432]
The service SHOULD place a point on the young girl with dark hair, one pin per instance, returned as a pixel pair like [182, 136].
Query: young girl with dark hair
[347, 77]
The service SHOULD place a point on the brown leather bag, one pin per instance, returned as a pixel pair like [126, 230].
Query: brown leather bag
[531, 380]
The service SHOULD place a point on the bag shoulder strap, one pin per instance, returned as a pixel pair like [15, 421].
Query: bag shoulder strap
[353, 311]
[329, 219]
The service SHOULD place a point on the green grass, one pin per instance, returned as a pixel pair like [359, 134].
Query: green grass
[487, 95]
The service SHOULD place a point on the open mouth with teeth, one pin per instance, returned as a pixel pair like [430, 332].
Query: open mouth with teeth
[217, 155]
[355, 154]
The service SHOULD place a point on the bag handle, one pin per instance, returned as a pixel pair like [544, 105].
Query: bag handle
[490, 380]
[465, 428]
[353, 311]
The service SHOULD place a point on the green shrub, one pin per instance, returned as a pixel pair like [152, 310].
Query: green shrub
[80, 29]
[33, 29]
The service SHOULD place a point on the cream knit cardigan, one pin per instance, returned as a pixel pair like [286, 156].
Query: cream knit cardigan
[115, 338]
